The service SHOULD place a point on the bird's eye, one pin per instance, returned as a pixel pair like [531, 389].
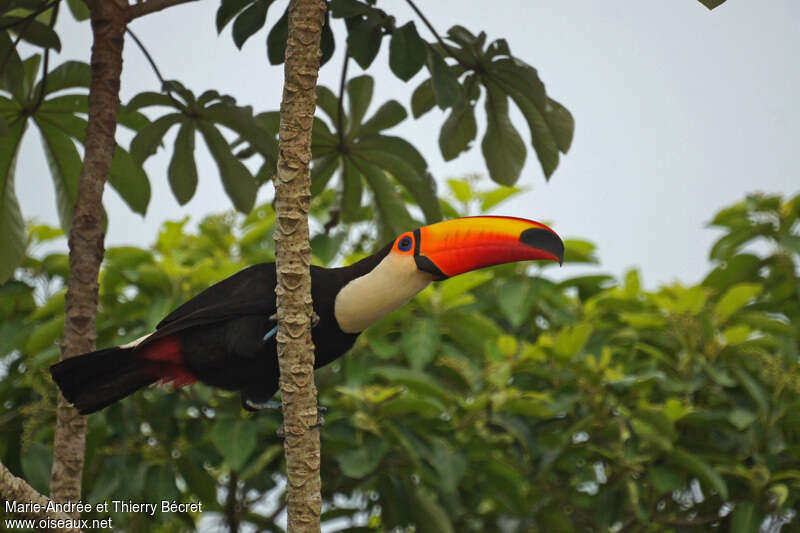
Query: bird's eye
[405, 244]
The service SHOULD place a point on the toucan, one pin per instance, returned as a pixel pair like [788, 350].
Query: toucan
[225, 336]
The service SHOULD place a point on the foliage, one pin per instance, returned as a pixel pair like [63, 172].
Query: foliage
[497, 400]
[359, 150]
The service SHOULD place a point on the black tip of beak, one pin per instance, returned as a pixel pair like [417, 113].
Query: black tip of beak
[545, 240]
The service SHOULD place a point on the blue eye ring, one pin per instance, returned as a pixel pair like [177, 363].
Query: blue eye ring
[405, 243]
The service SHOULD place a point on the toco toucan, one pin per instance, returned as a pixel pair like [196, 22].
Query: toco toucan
[224, 336]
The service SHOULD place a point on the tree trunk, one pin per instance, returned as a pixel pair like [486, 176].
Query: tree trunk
[293, 258]
[86, 236]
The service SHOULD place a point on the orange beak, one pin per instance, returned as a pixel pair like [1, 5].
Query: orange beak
[456, 246]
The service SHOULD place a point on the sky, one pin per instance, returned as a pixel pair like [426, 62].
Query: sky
[679, 111]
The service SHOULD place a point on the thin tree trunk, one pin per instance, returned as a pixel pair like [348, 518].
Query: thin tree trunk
[293, 258]
[86, 236]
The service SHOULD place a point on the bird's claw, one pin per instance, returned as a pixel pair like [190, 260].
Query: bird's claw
[258, 406]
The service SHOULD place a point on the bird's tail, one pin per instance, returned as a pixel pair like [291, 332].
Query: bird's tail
[95, 380]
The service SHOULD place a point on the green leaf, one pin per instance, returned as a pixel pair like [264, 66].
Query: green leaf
[276, 40]
[362, 461]
[327, 44]
[415, 380]
[13, 237]
[229, 9]
[423, 99]
[502, 146]
[321, 173]
[449, 464]
[79, 10]
[421, 342]
[36, 464]
[571, 339]
[329, 103]
[198, 480]
[696, 466]
[37, 33]
[348, 8]
[12, 75]
[65, 167]
[67, 75]
[497, 196]
[430, 516]
[151, 136]
[445, 83]
[746, 517]
[250, 21]
[129, 180]
[241, 120]
[359, 95]
[711, 4]
[147, 99]
[182, 168]
[45, 335]
[235, 439]
[388, 115]
[458, 131]
[407, 51]
[239, 184]
[364, 40]
[735, 298]
[3, 126]
[397, 162]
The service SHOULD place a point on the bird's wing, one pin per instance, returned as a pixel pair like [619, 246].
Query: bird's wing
[249, 292]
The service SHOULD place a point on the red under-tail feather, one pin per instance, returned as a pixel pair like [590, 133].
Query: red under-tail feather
[95, 380]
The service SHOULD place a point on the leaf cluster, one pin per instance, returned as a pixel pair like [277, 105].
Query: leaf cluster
[499, 399]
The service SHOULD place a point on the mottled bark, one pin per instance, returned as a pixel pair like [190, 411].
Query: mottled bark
[15, 489]
[293, 258]
[86, 236]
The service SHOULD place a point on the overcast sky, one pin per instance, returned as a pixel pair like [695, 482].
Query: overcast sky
[679, 111]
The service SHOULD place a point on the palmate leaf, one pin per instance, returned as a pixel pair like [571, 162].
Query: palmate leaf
[202, 113]
[501, 76]
[12, 226]
[371, 156]
[126, 176]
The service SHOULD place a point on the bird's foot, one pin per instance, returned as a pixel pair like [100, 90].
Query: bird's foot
[271, 333]
[254, 405]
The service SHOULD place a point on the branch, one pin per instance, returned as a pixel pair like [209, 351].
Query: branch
[340, 115]
[46, 64]
[147, 55]
[427, 23]
[16, 490]
[151, 6]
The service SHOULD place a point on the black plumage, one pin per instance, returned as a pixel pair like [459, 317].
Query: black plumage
[221, 336]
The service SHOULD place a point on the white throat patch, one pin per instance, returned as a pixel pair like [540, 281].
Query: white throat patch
[367, 299]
